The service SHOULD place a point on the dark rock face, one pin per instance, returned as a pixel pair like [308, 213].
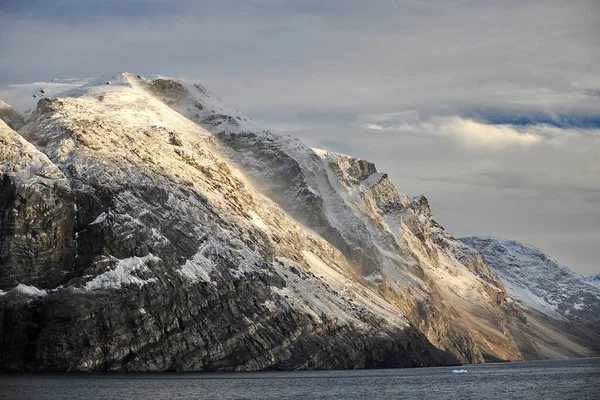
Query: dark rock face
[36, 224]
[169, 324]
[194, 329]
[36, 217]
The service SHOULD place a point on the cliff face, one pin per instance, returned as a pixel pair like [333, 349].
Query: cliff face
[36, 216]
[146, 227]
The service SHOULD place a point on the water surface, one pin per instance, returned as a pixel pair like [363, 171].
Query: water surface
[556, 379]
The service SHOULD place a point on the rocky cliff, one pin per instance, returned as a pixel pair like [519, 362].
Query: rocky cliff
[147, 227]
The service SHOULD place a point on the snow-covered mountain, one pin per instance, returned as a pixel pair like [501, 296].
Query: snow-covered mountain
[595, 279]
[146, 226]
[539, 284]
[536, 281]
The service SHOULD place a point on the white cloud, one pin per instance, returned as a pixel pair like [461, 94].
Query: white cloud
[375, 127]
[21, 96]
[481, 134]
[467, 131]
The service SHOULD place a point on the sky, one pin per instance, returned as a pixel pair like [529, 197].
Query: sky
[489, 108]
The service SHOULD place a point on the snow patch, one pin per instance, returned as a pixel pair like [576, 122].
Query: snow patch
[26, 290]
[100, 218]
[123, 274]
[373, 179]
[199, 267]
[258, 222]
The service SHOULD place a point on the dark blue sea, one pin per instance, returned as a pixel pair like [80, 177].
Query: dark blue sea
[556, 379]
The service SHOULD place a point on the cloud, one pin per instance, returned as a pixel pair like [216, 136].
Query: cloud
[24, 97]
[480, 134]
[469, 132]
[375, 127]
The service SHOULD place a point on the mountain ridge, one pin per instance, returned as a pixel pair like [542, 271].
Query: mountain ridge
[177, 198]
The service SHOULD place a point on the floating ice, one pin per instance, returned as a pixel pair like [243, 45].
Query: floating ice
[459, 371]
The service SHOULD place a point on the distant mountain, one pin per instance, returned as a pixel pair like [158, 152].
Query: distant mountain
[595, 279]
[146, 226]
[539, 284]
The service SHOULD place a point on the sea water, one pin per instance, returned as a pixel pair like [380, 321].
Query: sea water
[554, 379]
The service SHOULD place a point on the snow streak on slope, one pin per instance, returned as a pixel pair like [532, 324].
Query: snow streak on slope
[25, 290]
[403, 229]
[125, 273]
